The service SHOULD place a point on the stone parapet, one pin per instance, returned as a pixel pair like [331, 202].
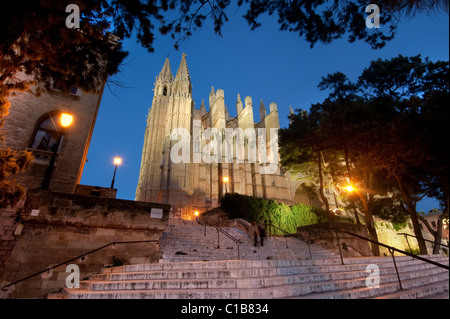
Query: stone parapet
[62, 226]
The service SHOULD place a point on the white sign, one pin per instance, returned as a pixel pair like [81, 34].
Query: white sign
[34, 212]
[156, 213]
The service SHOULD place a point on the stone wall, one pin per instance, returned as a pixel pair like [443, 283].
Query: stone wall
[321, 234]
[61, 226]
[7, 238]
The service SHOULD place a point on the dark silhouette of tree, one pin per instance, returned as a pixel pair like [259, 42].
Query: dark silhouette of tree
[388, 130]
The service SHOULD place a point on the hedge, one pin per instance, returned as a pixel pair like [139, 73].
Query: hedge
[280, 215]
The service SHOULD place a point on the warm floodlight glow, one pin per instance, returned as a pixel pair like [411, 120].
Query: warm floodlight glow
[349, 188]
[196, 213]
[117, 161]
[66, 119]
[225, 179]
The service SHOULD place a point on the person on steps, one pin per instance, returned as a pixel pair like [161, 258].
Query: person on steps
[255, 231]
[262, 233]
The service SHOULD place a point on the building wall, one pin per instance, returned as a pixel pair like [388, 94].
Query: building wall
[19, 126]
[61, 226]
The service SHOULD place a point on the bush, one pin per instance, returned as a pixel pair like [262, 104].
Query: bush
[270, 212]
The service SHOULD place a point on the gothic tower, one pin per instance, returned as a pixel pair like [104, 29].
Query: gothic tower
[198, 181]
[160, 179]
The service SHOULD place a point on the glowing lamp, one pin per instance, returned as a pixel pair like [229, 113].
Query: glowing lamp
[66, 119]
[349, 188]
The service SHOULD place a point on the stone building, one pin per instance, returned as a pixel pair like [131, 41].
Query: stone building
[191, 157]
[33, 125]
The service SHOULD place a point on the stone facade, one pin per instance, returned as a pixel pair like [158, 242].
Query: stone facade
[61, 226]
[27, 111]
[197, 184]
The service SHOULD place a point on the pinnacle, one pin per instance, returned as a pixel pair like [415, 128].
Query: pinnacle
[183, 72]
[166, 72]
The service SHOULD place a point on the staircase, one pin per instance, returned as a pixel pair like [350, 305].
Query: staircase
[187, 241]
[192, 266]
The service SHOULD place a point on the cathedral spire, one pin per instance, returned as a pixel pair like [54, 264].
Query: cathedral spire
[182, 83]
[183, 72]
[166, 73]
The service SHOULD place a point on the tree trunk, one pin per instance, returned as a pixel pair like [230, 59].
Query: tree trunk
[370, 225]
[322, 195]
[347, 164]
[438, 237]
[413, 214]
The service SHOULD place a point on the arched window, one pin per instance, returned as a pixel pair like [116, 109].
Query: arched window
[46, 133]
[165, 90]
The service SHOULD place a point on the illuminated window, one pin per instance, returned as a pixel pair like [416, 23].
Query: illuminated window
[46, 134]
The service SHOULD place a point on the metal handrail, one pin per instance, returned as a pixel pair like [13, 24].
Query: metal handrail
[433, 242]
[391, 251]
[223, 231]
[393, 248]
[78, 257]
[297, 236]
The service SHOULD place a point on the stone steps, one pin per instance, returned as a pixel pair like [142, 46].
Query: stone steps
[244, 279]
[187, 241]
[193, 267]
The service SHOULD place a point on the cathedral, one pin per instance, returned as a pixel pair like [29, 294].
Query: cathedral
[192, 157]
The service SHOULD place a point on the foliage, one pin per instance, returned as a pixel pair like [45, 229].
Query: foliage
[399, 226]
[413, 251]
[12, 163]
[384, 134]
[283, 217]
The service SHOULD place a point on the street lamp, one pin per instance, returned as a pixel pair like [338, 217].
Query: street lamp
[117, 161]
[226, 180]
[65, 121]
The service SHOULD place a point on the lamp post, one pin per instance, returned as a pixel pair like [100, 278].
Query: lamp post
[65, 121]
[117, 161]
[226, 180]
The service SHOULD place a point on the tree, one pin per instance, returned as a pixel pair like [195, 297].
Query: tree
[411, 149]
[299, 144]
[388, 131]
[11, 163]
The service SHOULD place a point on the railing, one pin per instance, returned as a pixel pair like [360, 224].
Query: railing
[391, 251]
[287, 234]
[82, 257]
[433, 242]
[219, 230]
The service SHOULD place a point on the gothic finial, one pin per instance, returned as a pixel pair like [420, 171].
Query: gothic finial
[238, 104]
[166, 72]
[183, 72]
[262, 111]
[291, 111]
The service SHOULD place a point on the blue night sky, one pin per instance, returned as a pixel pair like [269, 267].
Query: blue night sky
[275, 66]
